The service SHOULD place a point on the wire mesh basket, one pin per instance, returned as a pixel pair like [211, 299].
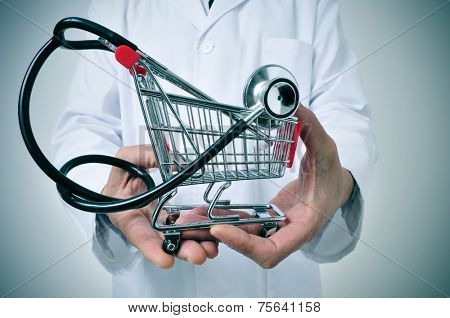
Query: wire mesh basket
[177, 140]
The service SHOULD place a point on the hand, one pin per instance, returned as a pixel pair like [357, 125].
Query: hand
[323, 186]
[135, 224]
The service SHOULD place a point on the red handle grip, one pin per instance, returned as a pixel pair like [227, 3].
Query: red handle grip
[297, 130]
[126, 56]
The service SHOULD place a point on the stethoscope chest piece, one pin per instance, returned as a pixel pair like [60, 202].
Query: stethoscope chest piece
[275, 88]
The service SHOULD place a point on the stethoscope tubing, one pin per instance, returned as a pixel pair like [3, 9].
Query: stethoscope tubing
[71, 192]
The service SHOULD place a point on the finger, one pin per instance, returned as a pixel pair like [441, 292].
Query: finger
[192, 251]
[262, 251]
[312, 134]
[200, 210]
[203, 211]
[298, 228]
[139, 233]
[204, 234]
[199, 234]
[141, 155]
[249, 228]
[290, 238]
[211, 248]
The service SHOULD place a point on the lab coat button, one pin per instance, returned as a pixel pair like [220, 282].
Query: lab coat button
[207, 47]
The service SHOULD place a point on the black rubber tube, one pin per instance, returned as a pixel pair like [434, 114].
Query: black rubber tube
[75, 194]
[91, 27]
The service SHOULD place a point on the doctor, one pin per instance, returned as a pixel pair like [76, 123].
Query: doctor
[216, 45]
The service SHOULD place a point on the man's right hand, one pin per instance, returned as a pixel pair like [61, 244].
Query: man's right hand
[196, 246]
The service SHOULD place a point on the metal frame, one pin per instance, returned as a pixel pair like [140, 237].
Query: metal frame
[181, 127]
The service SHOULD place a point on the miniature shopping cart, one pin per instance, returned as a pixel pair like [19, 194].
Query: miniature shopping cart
[181, 128]
[196, 140]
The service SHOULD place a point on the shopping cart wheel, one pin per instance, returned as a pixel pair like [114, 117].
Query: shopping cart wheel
[268, 229]
[171, 243]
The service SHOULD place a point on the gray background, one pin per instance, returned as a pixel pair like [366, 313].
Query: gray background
[407, 212]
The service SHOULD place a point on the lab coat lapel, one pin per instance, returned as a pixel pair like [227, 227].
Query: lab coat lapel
[218, 10]
[192, 10]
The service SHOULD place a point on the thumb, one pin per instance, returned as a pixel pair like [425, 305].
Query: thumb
[312, 134]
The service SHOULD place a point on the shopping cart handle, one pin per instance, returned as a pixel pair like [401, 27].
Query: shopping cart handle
[91, 27]
[293, 149]
[126, 56]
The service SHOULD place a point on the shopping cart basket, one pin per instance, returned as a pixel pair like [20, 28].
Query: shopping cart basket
[196, 140]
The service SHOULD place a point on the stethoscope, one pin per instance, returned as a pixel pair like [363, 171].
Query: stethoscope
[73, 193]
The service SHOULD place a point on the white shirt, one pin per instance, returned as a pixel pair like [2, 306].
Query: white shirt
[216, 51]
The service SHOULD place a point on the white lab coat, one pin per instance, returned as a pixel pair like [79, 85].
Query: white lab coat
[217, 51]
